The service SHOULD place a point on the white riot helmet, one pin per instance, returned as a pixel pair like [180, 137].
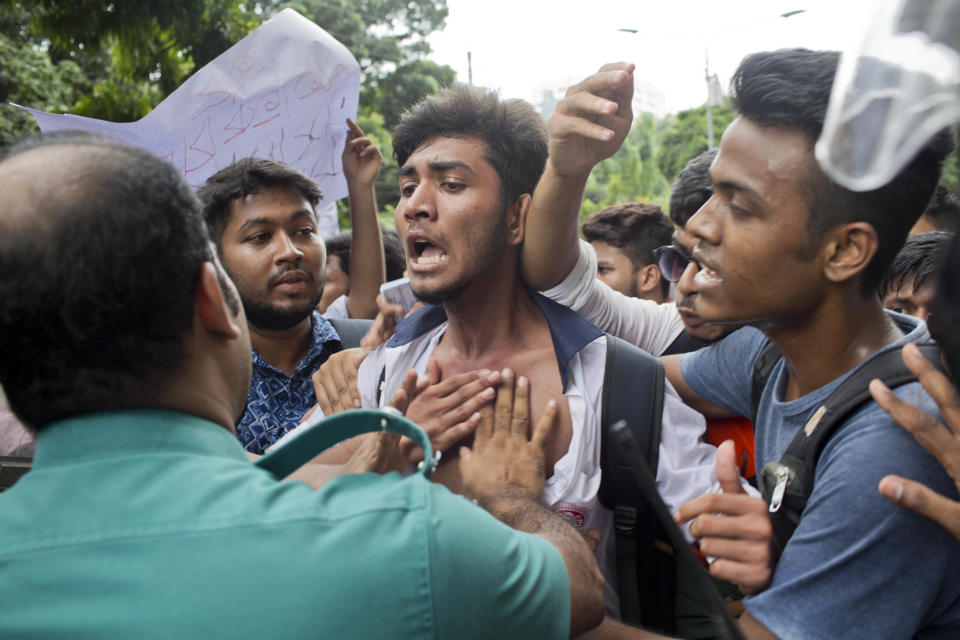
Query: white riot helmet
[893, 92]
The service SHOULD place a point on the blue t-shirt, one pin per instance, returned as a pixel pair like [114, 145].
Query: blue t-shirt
[857, 565]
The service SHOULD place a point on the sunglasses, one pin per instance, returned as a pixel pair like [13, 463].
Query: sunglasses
[672, 261]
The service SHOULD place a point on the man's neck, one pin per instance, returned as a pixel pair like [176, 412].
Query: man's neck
[831, 341]
[283, 349]
[486, 318]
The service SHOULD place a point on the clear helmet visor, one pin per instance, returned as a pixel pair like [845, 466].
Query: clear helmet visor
[892, 92]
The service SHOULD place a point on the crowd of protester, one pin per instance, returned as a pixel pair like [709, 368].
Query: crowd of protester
[154, 390]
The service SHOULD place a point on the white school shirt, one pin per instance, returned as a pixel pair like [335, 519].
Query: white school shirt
[337, 308]
[686, 463]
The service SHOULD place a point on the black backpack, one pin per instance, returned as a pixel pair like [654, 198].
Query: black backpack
[649, 545]
[350, 330]
[786, 484]
[633, 386]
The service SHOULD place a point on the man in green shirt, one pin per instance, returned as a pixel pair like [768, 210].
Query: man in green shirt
[122, 344]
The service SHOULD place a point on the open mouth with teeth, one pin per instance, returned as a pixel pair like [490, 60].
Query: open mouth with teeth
[709, 274]
[424, 252]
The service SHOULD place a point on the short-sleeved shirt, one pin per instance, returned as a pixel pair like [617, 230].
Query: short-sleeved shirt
[857, 566]
[277, 402]
[153, 524]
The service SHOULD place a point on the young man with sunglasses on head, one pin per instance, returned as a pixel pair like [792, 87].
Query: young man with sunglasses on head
[856, 565]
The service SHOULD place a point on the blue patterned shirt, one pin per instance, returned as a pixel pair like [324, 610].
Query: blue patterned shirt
[276, 403]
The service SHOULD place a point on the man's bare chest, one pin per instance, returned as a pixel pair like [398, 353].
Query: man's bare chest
[540, 367]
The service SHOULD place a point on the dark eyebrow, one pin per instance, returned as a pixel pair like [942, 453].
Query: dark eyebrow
[739, 186]
[252, 222]
[296, 215]
[436, 167]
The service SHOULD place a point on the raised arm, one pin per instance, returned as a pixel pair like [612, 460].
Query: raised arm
[361, 165]
[587, 126]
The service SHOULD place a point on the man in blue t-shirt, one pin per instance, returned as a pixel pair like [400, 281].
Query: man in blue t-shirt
[782, 248]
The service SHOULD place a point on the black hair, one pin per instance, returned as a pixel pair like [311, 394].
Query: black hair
[339, 245]
[100, 263]
[692, 188]
[246, 177]
[945, 310]
[921, 258]
[791, 88]
[514, 132]
[636, 228]
[944, 210]
[393, 254]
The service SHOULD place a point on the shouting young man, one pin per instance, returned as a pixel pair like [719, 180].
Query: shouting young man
[781, 248]
[468, 164]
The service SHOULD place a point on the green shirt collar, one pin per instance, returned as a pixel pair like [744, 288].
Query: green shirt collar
[132, 432]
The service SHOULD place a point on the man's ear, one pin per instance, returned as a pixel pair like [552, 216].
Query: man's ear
[648, 278]
[517, 219]
[211, 305]
[848, 250]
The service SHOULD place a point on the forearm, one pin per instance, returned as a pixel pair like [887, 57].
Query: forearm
[550, 242]
[367, 270]
[610, 629]
[522, 511]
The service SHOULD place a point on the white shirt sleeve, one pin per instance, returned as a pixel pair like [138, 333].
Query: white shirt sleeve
[687, 465]
[650, 326]
[337, 309]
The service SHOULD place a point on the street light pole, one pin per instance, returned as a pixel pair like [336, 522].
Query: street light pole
[706, 76]
[710, 85]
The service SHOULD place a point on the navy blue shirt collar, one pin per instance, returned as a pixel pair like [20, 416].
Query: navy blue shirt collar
[321, 333]
[276, 403]
[569, 331]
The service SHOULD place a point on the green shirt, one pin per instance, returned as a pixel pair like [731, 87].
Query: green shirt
[154, 524]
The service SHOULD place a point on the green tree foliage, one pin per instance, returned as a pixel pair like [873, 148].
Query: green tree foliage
[379, 33]
[685, 137]
[134, 53]
[29, 77]
[650, 158]
[407, 85]
[117, 60]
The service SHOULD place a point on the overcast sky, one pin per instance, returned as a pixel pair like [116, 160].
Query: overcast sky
[525, 46]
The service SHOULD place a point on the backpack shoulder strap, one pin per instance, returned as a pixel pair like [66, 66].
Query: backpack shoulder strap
[762, 368]
[633, 384]
[350, 330]
[788, 483]
[685, 343]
